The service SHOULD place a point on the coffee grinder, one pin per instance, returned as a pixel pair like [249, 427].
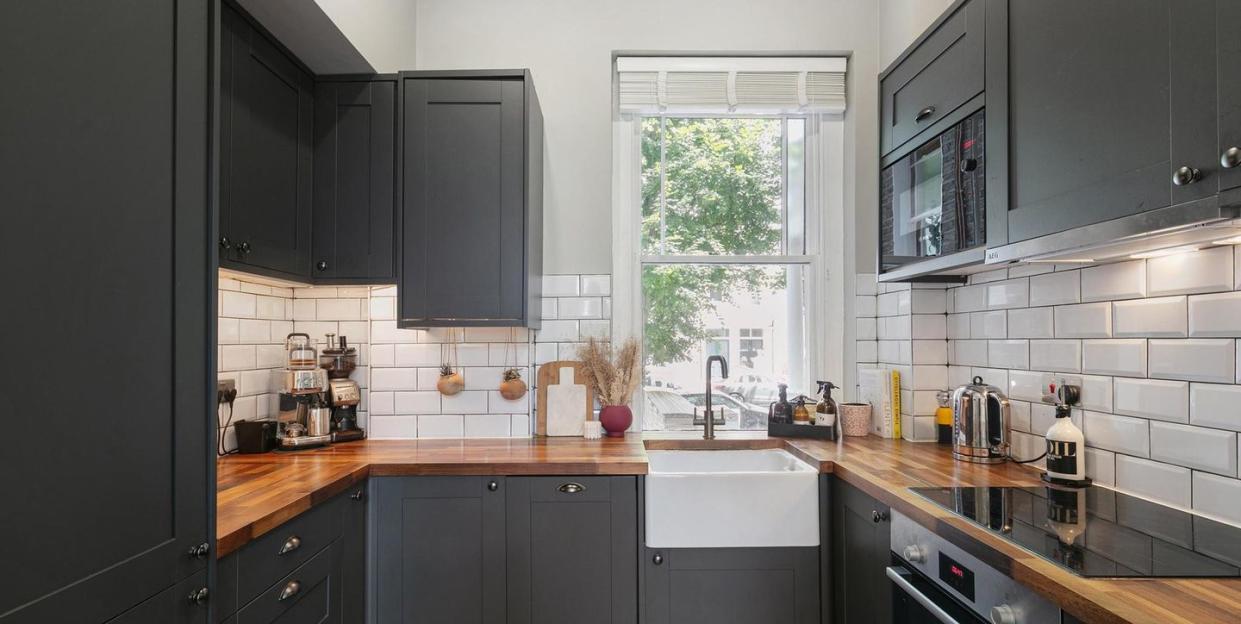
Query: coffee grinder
[302, 420]
[340, 361]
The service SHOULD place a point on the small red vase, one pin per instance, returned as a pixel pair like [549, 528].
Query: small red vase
[616, 420]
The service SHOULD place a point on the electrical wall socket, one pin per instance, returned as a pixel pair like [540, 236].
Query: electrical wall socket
[223, 388]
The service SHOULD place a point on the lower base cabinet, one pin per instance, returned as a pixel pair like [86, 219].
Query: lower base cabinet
[170, 605]
[496, 550]
[310, 570]
[861, 552]
[734, 585]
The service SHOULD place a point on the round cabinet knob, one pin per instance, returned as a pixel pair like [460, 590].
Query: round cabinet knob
[1003, 614]
[225, 243]
[1230, 158]
[658, 559]
[243, 247]
[969, 164]
[321, 265]
[493, 485]
[914, 554]
[877, 516]
[357, 496]
[1186, 175]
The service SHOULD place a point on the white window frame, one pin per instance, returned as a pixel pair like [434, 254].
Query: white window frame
[824, 257]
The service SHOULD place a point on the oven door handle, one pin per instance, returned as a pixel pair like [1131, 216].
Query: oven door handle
[898, 577]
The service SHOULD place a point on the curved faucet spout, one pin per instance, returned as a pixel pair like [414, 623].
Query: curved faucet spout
[708, 417]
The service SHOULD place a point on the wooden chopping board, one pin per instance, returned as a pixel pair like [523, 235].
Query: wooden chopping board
[549, 375]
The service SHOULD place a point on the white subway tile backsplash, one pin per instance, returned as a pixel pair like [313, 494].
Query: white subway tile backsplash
[520, 425]
[580, 308]
[381, 402]
[237, 357]
[550, 309]
[1200, 448]
[440, 426]
[1096, 392]
[958, 326]
[1123, 434]
[381, 308]
[866, 329]
[557, 331]
[238, 304]
[488, 426]
[866, 284]
[1215, 405]
[561, 286]
[392, 427]
[889, 351]
[269, 356]
[414, 355]
[600, 285]
[970, 352]
[1087, 320]
[1161, 482]
[394, 379]
[926, 301]
[865, 305]
[986, 277]
[1027, 270]
[970, 298]
[270, 308]
[1126, 357]
[1055, 288]
[1217, 496]
[1019, 413]
[1208, 270]
[1101, 466]
[1009, 294]
[1030, 323]
[228, 331]
[252, 331]
[1164, 317]
[305, 310]
[959, 376]
[929, 326]
[1152, 398]
[989, 325]
[929, 352]
[1123, 280]
[1201, 359]
[1216, 315]
[417, 402]
[997, 377]
[1027, 385]
[867, 351]
[601, 329]
[929, 377]
[466, 401]
[1056, 355]
[386, 332]
[889, 304]
[1008, 353]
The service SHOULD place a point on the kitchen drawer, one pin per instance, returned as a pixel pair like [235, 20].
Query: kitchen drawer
[260, 563]
[225, 594]
[943, 71]
[570, 489]
[309, 594]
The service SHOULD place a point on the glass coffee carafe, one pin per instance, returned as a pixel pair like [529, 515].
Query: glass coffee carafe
[301, 352]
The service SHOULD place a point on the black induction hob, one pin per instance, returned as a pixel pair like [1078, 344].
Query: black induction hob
[1097, 532]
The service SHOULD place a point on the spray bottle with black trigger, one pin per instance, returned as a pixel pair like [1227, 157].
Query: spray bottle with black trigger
[1066, 445]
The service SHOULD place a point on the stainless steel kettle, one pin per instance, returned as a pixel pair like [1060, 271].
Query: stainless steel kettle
[981, 419]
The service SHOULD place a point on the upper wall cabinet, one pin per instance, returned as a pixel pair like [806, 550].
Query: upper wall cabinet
[355, 181]
[471, 171]
[1120, 116]
[266, 117]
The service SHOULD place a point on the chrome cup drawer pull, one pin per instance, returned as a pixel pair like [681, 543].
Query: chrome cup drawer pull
[290, 590]
[290, 545]
[571, 488]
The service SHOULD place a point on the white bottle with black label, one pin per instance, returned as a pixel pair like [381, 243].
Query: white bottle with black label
[1066, 460]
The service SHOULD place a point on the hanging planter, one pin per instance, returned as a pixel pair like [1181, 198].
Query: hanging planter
[450, 382]
[513, 387]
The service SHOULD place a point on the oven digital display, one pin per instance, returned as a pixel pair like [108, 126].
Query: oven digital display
[956, 576]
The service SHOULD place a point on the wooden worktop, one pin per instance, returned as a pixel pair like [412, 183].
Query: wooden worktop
[259, 492]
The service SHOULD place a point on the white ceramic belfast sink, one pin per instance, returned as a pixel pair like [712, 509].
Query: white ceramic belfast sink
[731, 499]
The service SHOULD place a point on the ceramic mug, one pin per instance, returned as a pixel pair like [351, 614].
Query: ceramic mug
[855, 419]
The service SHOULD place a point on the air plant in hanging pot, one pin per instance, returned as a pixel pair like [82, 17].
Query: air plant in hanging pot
[450, 381]
[513, 387]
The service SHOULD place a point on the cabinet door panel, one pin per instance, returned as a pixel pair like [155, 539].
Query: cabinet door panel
[1228, 75]
[267, 153]
[860, 553]
[354, 222]
[105, 187]
[440, 550]
[1089, 123]
[463, 200]
[170, 605]
[572, 553]
[735, 585]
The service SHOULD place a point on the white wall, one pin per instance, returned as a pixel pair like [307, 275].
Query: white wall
[901, 21]
[568, 45]
[382, 30]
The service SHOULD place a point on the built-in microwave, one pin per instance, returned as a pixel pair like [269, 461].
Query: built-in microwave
[932, 200]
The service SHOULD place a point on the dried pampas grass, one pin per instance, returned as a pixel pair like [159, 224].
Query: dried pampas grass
[614, 380]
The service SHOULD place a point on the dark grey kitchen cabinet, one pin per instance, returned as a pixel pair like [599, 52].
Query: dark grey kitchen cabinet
[572, 550]
[183, 603]
[860, 551]
[439, 550]
[921, 92]
[1098, 126]
[735, 585]
[266, 153]
[1228, 77]
[354, 225]
[471, 170]
[104, 166]
[310, 594]
[353, 547]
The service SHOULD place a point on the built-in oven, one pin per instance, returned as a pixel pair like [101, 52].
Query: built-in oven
[932, 200]
[935, 581]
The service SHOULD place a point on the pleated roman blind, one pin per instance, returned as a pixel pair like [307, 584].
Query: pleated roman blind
[650, 84]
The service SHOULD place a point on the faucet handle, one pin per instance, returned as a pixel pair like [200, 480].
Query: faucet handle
[700, 417]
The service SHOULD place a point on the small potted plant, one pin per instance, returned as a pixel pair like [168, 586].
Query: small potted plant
[513, 387]
[614, 380]
[450, 381]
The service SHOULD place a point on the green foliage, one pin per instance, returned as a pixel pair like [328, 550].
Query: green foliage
[722, 193]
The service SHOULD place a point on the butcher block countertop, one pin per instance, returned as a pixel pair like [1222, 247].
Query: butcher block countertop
[257, 493]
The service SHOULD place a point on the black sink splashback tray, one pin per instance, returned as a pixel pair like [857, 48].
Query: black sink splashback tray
[1097, 532]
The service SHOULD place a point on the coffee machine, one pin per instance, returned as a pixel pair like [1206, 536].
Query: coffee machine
[339, 361]
[304, 418]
